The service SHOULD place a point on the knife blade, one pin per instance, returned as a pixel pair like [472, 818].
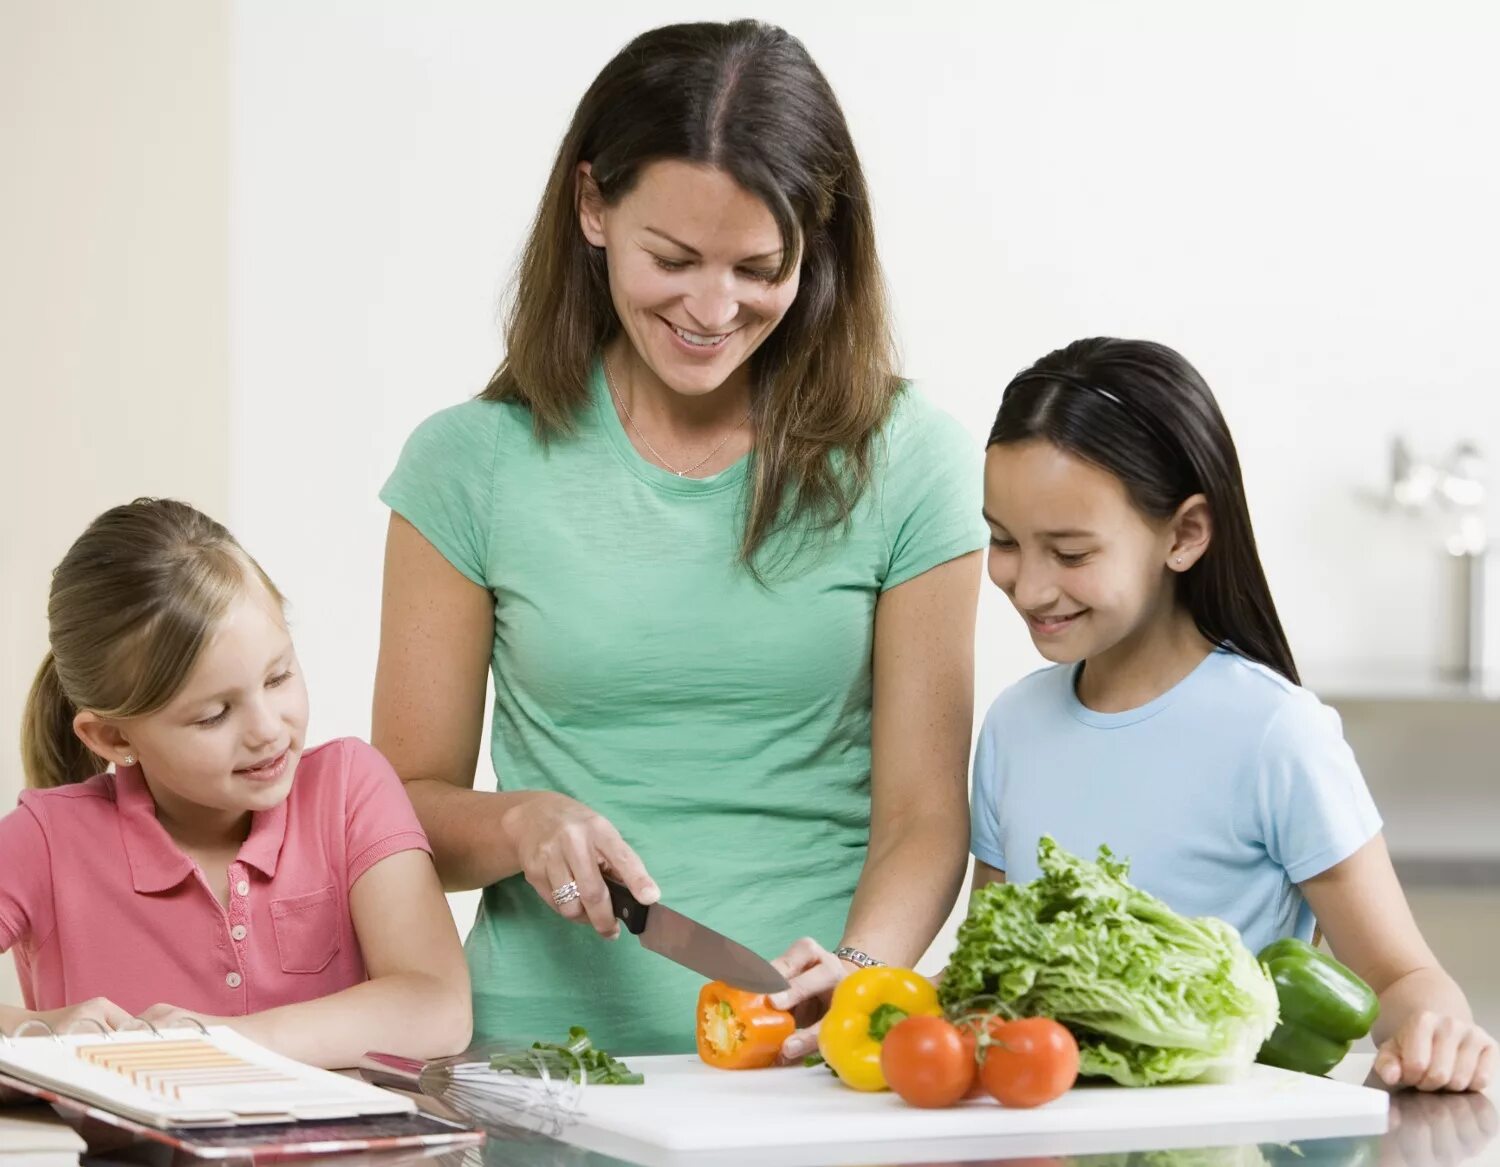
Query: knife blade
[693, 945]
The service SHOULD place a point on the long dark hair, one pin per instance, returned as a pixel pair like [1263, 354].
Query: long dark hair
[746, 98]
[1141, 412]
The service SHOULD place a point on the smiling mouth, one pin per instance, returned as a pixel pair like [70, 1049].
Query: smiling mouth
[700, 339]
[265, 766]
[1055, 622]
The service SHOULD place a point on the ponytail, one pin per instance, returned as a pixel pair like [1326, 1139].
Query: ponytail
[51, 753]
[131, 606]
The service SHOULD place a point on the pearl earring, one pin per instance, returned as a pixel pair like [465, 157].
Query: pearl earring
[1179, 561]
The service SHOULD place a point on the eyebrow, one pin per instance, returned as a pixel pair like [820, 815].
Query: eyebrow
[699, 254]
[1066, 533]
[228, 693]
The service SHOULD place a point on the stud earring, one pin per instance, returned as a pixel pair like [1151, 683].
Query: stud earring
[130, 759]
[1178, 561]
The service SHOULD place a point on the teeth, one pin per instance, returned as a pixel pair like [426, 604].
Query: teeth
[697, 338]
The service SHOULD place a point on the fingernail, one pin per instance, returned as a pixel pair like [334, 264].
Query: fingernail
[777, 1000]
[794, 1048]
[652, 892]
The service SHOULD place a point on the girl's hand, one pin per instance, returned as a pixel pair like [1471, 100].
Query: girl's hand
[812, 973]
[83, 1016]
[1438, 1130]
[171, 1017]
[559, 841]
[1435, 1052]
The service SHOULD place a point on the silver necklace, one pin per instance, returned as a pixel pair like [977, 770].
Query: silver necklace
[645, 441]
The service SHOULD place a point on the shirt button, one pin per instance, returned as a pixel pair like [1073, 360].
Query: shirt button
[233, 980]
[242, 888]
[238, 931]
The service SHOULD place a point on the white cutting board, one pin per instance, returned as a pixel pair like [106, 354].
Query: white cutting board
[798, 1116]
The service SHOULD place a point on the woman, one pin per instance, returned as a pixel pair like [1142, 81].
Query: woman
[722, 562]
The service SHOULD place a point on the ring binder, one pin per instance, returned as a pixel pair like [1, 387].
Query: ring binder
[125, 1028]
[29, 1022]
[185, 1076]
[209, 1091]
[104, 1029]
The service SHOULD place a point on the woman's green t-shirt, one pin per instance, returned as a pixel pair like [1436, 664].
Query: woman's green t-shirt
[722, 724]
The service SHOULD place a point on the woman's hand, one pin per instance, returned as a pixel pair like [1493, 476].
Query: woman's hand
[561, 842]
[1435, 1052]
[812, 973]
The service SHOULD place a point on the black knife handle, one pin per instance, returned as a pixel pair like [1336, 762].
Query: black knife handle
[629, 910]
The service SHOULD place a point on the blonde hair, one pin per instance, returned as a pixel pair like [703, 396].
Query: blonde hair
[132, 605]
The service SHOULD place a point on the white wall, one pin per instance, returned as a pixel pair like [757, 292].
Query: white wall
[114, 291]
[1299, 196]
[319, 203]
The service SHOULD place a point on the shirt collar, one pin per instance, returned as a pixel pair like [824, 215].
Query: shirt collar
[262, 847]
[157, 863]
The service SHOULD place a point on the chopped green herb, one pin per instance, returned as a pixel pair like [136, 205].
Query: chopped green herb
[577, 1059]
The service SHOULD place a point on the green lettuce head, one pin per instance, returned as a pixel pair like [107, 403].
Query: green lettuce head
[1151, 996]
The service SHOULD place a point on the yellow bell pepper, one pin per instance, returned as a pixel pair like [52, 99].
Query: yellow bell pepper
[865, 1006]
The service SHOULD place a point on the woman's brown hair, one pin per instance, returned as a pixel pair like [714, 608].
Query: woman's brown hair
[745, 98]
[132, 605]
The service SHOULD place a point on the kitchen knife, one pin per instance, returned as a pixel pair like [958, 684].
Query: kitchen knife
[693, 945]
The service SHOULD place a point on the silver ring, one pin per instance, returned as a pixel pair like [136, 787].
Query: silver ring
[20, 1030]
[566, 894]
[109, 1034]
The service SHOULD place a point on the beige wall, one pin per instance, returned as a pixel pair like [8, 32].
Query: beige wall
[114, 351]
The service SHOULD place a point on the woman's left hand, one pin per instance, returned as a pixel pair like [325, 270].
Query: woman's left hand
[1435, 1052]
[812, 972]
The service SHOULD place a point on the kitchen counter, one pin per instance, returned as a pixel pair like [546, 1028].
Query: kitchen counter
[1425, 1131]
[1376, 684]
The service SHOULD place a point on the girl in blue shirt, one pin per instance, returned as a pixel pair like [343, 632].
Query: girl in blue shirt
[1172, 725]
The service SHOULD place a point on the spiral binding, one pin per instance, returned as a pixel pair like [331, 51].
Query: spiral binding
[108, 1033]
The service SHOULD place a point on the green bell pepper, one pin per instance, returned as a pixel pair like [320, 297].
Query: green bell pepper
[1325, 1008]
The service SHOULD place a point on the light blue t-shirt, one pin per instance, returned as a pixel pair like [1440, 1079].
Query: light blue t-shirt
[1224, 793]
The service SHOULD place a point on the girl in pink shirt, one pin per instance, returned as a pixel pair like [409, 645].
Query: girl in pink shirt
[220, 869]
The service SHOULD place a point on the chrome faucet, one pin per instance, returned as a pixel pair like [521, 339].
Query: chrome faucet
[1454, 490]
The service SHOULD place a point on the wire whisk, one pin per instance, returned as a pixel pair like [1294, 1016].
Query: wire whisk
[542, 1098]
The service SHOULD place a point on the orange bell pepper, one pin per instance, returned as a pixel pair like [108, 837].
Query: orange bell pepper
[738, 1030]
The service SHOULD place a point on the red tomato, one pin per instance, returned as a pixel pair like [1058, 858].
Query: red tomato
[1028, 1062]
[924, 1061]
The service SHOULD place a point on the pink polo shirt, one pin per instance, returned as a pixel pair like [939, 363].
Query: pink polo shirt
[98, 901]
